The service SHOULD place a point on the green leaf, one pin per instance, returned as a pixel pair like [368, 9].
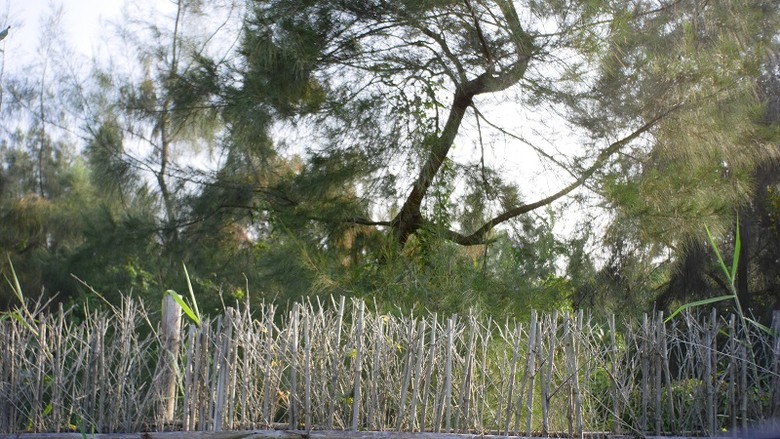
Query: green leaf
[735, 259]
[720, 258]
[16, 316]
[192, 294]
[16, 287]
[186, 308]
[698, 303]
[764, 328]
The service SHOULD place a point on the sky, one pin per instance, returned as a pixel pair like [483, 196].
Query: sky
[84, 22]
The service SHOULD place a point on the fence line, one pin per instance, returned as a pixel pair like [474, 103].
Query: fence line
[342, 367]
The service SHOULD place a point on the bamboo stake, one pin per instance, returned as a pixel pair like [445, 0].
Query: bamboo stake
[732, 371]
[335, 364]
[171, 329]
[307, 372]
[406, 376]
[645, 372]
[429, 371]
[657, 413]
[548, 375]
[464, 398]
[672, 416]
[616, 392]
[531, 368]
[708, 376]
[417, 375]
[483, 386]
[267, 387]
[292, 409]
[577, 394]
[776, 364]
[358, 366]
[374, 415]
[512, 371]
[448, 374]
[205, 388]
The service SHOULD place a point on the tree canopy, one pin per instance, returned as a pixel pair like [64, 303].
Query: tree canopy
[426, 153]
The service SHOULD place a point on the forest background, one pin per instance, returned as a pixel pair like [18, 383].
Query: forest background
[446, 155]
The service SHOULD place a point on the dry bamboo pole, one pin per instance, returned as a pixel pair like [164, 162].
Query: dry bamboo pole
[307, 372]
[708, 376]
[190, 378]
[244, 341]
[417, 375]
[429, 370]
[568, 353]
[335, 359]
[694, 338]
[732, 373]
[269, 344]
[220, 354]
[523, 383]
[195, 397]
[549, 374]
[573, 416]
[577, 393]
[227, 369]
[235, 370]
[657, 410]
[233, 367]
[57, 373]
[512, 372]
[667, 374]
[616, 391]
[7, 422]
[292, 407]
[480, 415]
[322, 364]
[37, 387]
[406, 375]
[215, 388]
[531, 368]
[645, 358]
[776, 364]
[446, 404]
[374, 416]
[204, 408]
[465, 388]
[101, 420]
[744, 384]
[358, 366]
[171, 329]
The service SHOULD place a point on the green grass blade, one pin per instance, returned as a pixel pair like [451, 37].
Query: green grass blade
[737, 248]
[16, 287]
[18, 317]
[184, 307]
[720, 258]
[698, 303]
[192, 293]
[764, 328]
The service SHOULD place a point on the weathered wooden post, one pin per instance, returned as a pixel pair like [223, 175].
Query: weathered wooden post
[167, 367]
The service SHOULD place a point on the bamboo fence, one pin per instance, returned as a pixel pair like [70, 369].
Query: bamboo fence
[338, 366]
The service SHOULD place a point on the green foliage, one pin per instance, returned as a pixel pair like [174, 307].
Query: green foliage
[348, 148]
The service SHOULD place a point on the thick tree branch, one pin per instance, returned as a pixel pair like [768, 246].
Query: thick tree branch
[478, 236]
[409, 219]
